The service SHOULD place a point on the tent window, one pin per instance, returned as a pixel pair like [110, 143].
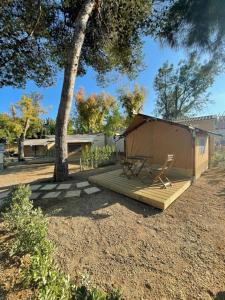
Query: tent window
[202, 144]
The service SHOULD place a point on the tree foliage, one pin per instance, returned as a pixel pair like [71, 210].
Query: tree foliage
[49, 126]
[43, 30]
[73, 35]
[9, 130]
[92, 112]
[182, 90]
[115, 122]
[132, 101]
[27, 114]
[24, 121]
[192, 24]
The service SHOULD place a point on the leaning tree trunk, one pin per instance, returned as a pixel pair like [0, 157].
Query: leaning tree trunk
[70, 73]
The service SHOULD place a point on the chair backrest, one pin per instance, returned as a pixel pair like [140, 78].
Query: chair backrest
[168, 162]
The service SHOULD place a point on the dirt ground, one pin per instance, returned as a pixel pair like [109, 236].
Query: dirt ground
[27, 173]
[119, 242]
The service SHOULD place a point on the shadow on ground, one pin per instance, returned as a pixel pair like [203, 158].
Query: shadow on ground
[93, 206]
[220, 296]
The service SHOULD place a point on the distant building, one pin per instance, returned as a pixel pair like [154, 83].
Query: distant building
[211, 123]
[75, 144]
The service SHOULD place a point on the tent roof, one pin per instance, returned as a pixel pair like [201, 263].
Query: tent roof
[141, 119]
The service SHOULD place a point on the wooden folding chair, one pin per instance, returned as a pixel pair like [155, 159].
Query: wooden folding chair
[127, 167]
[159, 174]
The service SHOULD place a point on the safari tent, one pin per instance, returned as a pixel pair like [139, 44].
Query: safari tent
[157, 138]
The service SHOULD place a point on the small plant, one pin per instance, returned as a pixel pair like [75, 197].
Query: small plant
[43, 274]
[83, 293]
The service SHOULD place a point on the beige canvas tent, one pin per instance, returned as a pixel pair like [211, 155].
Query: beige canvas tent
[155, 137]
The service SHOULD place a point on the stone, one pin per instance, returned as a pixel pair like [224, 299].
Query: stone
[64, 186]
[51, 195]
[71, 194]
[34, 196]
[35, 187]
[82, 184]
[4, 194]
[49, 186]
[92, 190]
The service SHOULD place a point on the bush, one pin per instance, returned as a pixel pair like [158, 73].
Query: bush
[19, 206]
[93, 157]
[38, 268]
[29, 224]
[218, 159]
[42, 273]
[83, 293]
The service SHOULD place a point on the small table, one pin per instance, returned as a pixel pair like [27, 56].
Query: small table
[134, 167]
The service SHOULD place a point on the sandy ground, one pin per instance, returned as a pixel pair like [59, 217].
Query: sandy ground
[176, 254]
[119, 242]
[29, 173]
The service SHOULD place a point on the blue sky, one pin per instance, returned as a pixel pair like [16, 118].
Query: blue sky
[154, 57]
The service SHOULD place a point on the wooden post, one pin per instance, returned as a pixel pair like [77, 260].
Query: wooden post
[80, 164]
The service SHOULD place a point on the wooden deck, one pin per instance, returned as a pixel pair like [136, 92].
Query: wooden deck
[152, 194]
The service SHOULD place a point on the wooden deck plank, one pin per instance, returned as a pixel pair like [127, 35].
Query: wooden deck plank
[153, 195]
[149, 189]
[135, 184]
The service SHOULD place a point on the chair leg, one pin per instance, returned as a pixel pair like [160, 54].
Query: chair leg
[164, 184]
[170, 183]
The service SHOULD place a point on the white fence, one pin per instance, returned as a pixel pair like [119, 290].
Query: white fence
[119, 144]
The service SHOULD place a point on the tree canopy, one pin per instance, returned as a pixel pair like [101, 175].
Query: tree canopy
[182, 90]
[9, 130]
[24, 121]
[93, 111]
[197, 25]
[43, 30]
[132, 101]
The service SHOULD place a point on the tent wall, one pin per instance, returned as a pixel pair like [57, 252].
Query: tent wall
[157, 139]
[210, 124]
[201, 154]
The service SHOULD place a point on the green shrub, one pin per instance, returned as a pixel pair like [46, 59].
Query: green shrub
[83, 293]
[43, 274]
[29, 224]
[218, 159]
[93, 157]
[19, 206]
[33, 234]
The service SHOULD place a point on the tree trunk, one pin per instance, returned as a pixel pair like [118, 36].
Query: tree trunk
[21, 141]
[21, 148]
[70, 73]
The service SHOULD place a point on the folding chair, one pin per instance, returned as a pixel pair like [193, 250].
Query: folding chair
[127, 167]
[160, 173]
